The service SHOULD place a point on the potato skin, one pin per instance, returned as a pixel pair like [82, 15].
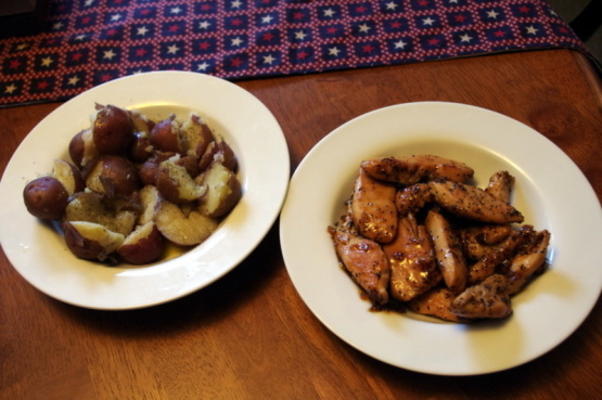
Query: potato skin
[112, 130]
[141, 148]
[117, 176]
[164, 136]
[149, 169]
[76, 148]
[145, 250]
[45, 198]
[79, 245]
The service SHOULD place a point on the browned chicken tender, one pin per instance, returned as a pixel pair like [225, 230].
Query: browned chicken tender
[373, 209]
[448, 251]
[528, 262]
[415, 168]
[412, 261]
[365, 261]
[473, 203]
[500, 186]
[488, 299]
[413, 198]
[436, 303]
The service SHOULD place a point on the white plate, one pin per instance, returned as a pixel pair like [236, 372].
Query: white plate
[550, 190]
[40, 255]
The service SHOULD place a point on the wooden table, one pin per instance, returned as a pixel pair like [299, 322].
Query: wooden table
[249, 335]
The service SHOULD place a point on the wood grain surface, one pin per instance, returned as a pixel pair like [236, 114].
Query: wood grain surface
[249, 335]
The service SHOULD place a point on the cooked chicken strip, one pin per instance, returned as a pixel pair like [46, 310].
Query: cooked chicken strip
[415, 168]
[373, 209]
[472, 202]
[488, 299]
[437, 303]
[412, 261]
[413, 198]
[447, 251]
[528, 262]
[500, 186]
[365, 261]
[479, 241]
[486, 265]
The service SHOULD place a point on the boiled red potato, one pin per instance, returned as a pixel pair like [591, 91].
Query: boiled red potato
[175, 184]
[82, 149]
[141, 122]
[226, 156]
[90, 240]
[69, 176]
[223, 190]
[46, 198]
[149, 199]
[180, 228]
[112, 130]
[207, 158]
[94, 207]
[166, 135]
[144, 245]
[141, 149]
[114, 176]
[196, 135]
[148, 170]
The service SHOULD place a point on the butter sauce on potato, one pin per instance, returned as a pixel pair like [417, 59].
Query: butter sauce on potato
[136, 185]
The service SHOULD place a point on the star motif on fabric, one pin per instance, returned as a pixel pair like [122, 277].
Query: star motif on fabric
[173, 49]
[175, 10]
[57, 25]
[236, 41]
[115, 17]
[22, 46]
[465, 38]
[81, 36]
[88, 3]
[47, 61]
[391, 5]
[143, 30]
[492, 14]
[10, 89]
[300, 35]
[269, 59]
[400, 44]
[266, 19]
[531, 30]
[364, 28]
[202, 66]
[73, 80]
[453, 1]
[334, 51]
[428, 21]
[204, 24]
[109, 54]
[236, 4]
[329, 12]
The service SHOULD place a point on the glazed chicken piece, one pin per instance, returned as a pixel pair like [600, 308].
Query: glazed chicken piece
[365, 261]
[500, 186]
[479, 241]
[529, 261]
[415, 168]
[412, 261]
[413, 198]
[436, 303]
[447, 251]
[488, 299]
[373, 209]
[472, 202]
[486, 265]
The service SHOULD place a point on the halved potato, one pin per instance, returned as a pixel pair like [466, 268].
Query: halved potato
[166, 136]
[92, 207]
[150, 199]
[223, 190]
[196, 135]
[144, 245]
[182, 229]
[114, 176]
[68, 175]
[82, 149]
[175, 184]
[112, 130]
[90, 240]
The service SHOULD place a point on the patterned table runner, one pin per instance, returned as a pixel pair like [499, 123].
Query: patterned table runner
[84, 43]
